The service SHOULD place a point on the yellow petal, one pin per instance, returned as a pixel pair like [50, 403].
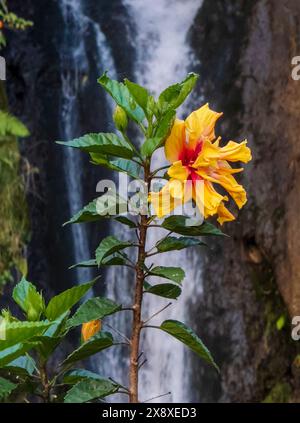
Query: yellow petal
[175, 142]
[168, 198]
[201, 124]
[235, 152]
[90, 329]
[212, 199]
[224, 214]
[208, 155]
[178, 171]
[229, 183]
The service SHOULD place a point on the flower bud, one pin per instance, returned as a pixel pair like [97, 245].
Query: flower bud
[120, 119]
[90, 329]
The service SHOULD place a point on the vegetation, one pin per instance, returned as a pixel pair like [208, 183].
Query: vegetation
[13, 208]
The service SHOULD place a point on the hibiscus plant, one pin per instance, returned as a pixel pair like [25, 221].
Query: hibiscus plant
[196, 162]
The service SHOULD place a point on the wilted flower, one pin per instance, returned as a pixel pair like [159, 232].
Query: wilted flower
[196, 156]
[90, 329]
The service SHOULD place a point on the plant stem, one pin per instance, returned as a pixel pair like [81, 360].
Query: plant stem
[137, 323]
[45, 382]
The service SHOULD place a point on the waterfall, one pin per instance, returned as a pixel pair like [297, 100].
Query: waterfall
[165, 57]
[75, 67]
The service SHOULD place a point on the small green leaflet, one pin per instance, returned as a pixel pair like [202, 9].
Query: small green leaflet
[30, 301]
[165, 290]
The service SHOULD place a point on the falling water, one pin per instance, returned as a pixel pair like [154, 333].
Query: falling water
[75, 66]
[165, 57]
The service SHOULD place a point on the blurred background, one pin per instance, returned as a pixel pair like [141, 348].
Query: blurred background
[240, 294]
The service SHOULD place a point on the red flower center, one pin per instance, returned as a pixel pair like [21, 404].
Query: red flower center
[188, 156]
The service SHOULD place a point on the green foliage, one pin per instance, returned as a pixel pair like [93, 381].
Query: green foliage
[165, 290]
[185, 335]
[172, 243]
[108, 246]
[94, 345]
[175, 274]
[103, 144]
[66, 300]
[93, 309]
[29, 345]
[6, 388]
[13, 207]
[90, 389]
[11, 21]
[30, 301]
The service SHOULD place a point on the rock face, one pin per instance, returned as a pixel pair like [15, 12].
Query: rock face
[246, 50]
[252, 280]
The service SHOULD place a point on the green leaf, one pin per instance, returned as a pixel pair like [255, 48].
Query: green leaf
[165, 125]
[30, 301]
[86, 263]
[119, 165]
[93, 309]
[76, 375]
[108, 246]
[172, 243]
[108, 205]
[23, 365]
[163, 130]
[66, 300]
[6, 388]
[122, 97]
[150, 145]
[180, 225]
[16, 332]
[46, 344]
[113, 260]
[175, 95]
[7, 355]
[165, 290]
[90, 389]
[175, 274]
[102, 143]
[140, 94]
[11, 126]
[97, 343]
[185, 335]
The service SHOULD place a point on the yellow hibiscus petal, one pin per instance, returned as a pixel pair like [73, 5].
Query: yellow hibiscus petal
[208, 155]
[224, 214]
[168, 198]
[175, 142]
[178, 171]
[201, 124]
[212, 199]
[229, 183]
[235, 152]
